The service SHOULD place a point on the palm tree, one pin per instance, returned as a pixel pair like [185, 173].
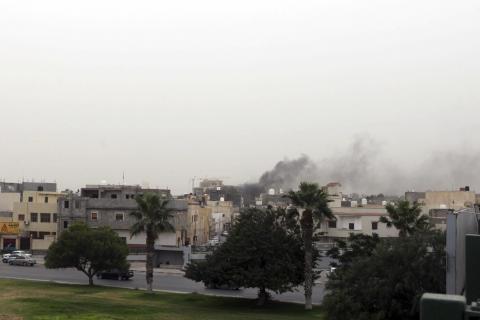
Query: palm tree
[407, 218]
[314, 202]
[152, 218]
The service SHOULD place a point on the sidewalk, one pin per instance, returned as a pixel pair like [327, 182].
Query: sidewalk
[140, 267]
[135, 266]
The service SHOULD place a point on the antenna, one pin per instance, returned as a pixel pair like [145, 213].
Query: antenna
[123, 177]
[193, 183]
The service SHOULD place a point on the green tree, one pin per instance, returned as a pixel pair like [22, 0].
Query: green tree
[88, 250]
[152, 218]
[313, 202]
[358, 245]
[260, 252]
[386, 281]
[407, 218]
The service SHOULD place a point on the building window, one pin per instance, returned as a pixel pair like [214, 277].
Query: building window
[21, 217]
[55, 217]
[66, 204]
[65, 224]
[46, 199]
[94, 216]
[113, 196]
[43, 234]
[77, 204]
[332, 224]
[40, 188]
[119, 216]
[124, 239]
[45, 217]
[351, 226]
[127, 196]
[30, 199]
[374, 225]
[34, 234]
[34, 217]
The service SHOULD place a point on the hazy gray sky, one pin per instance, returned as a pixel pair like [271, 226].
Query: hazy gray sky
[168, 90]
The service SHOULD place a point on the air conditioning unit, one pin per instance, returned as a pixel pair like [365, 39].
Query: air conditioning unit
[26, 222]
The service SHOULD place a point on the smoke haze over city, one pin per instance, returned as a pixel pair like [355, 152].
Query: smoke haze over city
[364, 168]
[382, 98]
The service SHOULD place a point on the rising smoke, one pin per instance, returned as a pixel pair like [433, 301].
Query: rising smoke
[363, 168]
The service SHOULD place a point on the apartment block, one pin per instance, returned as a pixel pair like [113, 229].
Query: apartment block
[111, 205]
[28, 214]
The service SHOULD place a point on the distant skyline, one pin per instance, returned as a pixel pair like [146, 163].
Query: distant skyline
[166, 91]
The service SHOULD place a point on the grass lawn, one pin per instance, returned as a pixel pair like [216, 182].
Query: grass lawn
[41, 300]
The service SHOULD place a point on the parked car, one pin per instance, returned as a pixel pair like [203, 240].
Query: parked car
[21, 261]
[214, 241]
[15, 253]
[10, 257]
[115, 274]
[213, 286]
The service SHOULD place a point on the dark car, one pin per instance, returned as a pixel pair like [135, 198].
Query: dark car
[115, 274]
[224, 286]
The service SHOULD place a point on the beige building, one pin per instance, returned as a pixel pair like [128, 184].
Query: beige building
[335, 195]
[199, 219]
[37, 217]
[436, 204]
[7, 200]
[454, 200]
[222, 216]
[358, 220]
[8, 234]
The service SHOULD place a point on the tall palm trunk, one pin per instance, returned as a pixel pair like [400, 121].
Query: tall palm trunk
[307, 234]
[149, 263]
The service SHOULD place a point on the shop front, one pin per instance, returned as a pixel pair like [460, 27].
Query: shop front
[9, 235]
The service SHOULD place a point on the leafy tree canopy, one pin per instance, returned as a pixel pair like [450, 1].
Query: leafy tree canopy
[386, 280]
[88, 250]
[259, 253]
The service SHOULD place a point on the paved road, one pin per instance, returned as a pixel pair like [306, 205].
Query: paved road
[174, 283]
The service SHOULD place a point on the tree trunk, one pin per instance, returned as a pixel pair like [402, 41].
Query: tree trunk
[90, 280]
[307, 233]
[149, 263]
[262, 297]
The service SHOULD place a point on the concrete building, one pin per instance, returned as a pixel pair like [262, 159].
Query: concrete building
[37, 217]
[199, 221]
[357, 220]
[438, 204]
[20, 187]
[222, 216]
[335, 195]
[7, 200]
[459, 224]
[215, 190]
[111, 205]
[18, 202]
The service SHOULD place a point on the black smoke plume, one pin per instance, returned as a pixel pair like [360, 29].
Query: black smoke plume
[364, 168]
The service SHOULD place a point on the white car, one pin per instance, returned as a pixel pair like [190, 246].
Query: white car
[22, 253]
[214, 241]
